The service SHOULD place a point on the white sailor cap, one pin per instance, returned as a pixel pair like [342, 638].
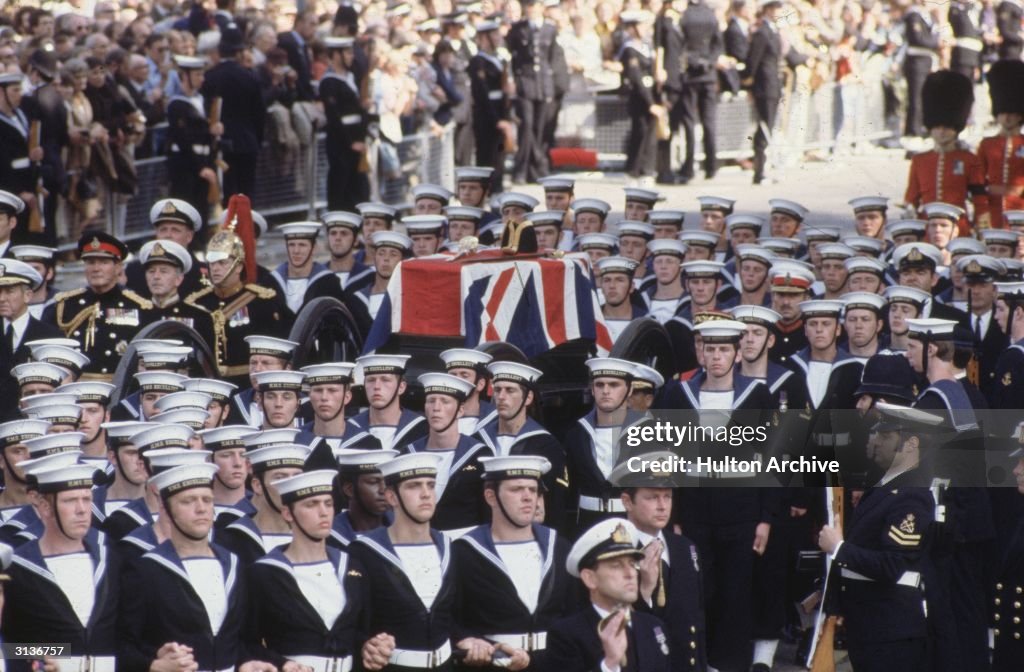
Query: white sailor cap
[410, 466]
[632, 227]
[635, 194]
[50, 444]
[39, 372]
[65, 342]
[868, 204]
[669, 246]
[144, 344]
[394, 239]
[903, 294]
[185, 477]
[524, 201]
[939, 210]
[825, 234]
[267, 345]
[66, 358]
[1006, 290]
[595, 205]
[281, 436]
[821, 308]
[165, 357]
[514, 372]
[37, 253]
[865, 301]
[184, 399]
[703, 268]
[349, 220]
[175, 210]
[708, 239]
[445, 383]
[14, 272]
[355, 462]
[159, 460]
[980, 267]
[720, 331]
[18, 431]
[610, 367]
[11, 78]
[195, 418]
[557, 183]
[225, 437]
[965, 245]
[752, 222]
[789, 208]
[474, 173]
[724, 205]
[647, 378]
[780, 246]
[906, 227]
[162, 436]
[835, 251]
[305, 485]
[334, 42]
[10, 203]
[432, 191]
[790, 276]
[284, 456]
[190, 62]
[120, 432]
[752, 314]
[166, 252]
[1014, 268]
[932, 328]
[510, 467]
[872, 246]
[300, 230]
[755, 253]
[464, 213]
[487, 26]
[608, 539]
[377, 210]
[465, 358]
[1007, 237]
[160, 381]
[915, 254]
[546, 218]
[1014, 217]
[424, 224]
[89, 391]
[864, 265]
[48, 398]
[279, 380]
[332, 373]
[601, 241]
[617, 265]
[907, 418]
[666, 218]
[63, 478]
[219, 390]
[52, 460]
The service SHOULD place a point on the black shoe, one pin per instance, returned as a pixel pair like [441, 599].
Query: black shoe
[666, 179]
[710, 175]
[760, 667]
[758, 179]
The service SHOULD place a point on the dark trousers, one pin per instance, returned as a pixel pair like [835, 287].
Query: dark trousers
[915, 70]
[700, 102]
[490, 151]
[464, 142]
[240, 178]
[907, 655]
[531, 159]
[767, 108]
[193, 190]
[643, 143]
[674, 104]
[346, 185]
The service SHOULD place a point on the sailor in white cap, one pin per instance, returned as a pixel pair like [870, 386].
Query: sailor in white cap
[955, 285]
[597, 246]
[42, 259]
[347, 180]
[863, 319]
[786, 217]
[1009, 373]
[785, 387]
[38, 378]
[633, 238]
[389, 249]
[864, 274]
[714, 213]
[363, 487]
[667, 223]
[458, 487]
[376, 217]
[869, 214]
[904, 303]
[265, 353]
[408, 566]
[280, 397]
[128, 472]
[822, 358]
[426, 232]
[666, 296]
[220, 392]
[300, 270]
[463, 222]
[471, 366]
[329, 393]
[191, 138]
[936, 349]
[608, 634]
[173, 220]
[11, 205]
[183, 600]
[385, 424]
[46, 573]
[253, 536]
[343, 229]
[647, 382]
[700, 245]
[596, 443]
[638, 202]
[493, 130]
[430, 199]
[749, 269]
[831, 268]
[615, 278]
[229, 485]
[93, 398]
[152, 386]
[13, 452]
[512, 570]
[589, 215]
[1000, 243]
[943, 220]
[332, 586]
[514, 432]
[744, 229]
[473, 188]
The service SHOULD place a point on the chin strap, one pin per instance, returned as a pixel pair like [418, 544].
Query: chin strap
[295, 524]
[170, 517]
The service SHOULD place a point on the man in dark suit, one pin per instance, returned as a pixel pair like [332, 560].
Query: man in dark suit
[242, 114]
[300, 55]
[762, 74]
[607, 634]
[737, 44]
[980, 273]
[702, 46]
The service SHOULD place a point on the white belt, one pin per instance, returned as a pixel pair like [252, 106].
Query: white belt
[495, 95]
[911, 579]
[322, 664]
[972, 43]
[86, 663]
[423, 659]
[201, 149]
[588, 503]
[530, 641]
[921, 51]
[19, 164]
[351, 119]
[837, 440]
[647, 81]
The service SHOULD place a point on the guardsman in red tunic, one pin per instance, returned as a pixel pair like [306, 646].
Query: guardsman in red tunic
[949, 173]
[1002, 155]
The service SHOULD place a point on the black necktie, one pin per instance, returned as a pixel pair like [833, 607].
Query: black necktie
[9, 339]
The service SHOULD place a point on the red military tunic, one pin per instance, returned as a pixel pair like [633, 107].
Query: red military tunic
[949, 177]
[1002, 159]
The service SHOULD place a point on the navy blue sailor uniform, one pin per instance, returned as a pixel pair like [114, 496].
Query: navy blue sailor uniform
[325, 622]
[244, 539]
[422, 632]
[574, 645]
[471, 424]
[359, 433]
[1008, 384]
[43, 605]
[514, 603]
[1008, 604]
[346, 125]
[339, 283]
[460, 492]
[344, 533]
[189, 151]
[16, 172]
[297, 292]
[132, 515]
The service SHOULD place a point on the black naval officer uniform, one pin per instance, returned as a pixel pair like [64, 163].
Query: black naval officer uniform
[188, 314]
[462, 504]
[346, 125]
[762, 67]
[922, 51]
[189, 150]
[1008, 605]
[243, 115]
[668, 37]
[34, 330]
[702, 46]
[533, 51]
[789, 340]
[490, 106]
[638, 82]
[966, 55]
[135, 277]
[575, 646]
[1008, 385]
[17, 174]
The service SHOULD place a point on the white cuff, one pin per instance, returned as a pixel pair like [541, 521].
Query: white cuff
[605, 668]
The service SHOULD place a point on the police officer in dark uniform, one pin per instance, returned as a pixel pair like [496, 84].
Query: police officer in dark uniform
[488, 79]
[103, 316]
[702, 46]
[637, 60]
[922, 44]
[762, 75]
[347, 183]
[966, 56]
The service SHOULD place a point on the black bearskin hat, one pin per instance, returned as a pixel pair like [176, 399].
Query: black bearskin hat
[947, 97]
[1006, 86]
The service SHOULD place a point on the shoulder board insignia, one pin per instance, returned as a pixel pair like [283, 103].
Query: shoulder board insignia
[143, 302]
[469, 467]
[261, 291]
[198, 294]
[1007, 379]
[71, 293]
[354, 572]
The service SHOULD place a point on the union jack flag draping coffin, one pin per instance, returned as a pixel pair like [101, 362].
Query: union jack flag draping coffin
[534, 303]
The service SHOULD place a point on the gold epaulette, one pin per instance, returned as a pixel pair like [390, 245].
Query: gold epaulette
[143, 302]
[261, 291]
[70, 294]
[198, 294]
